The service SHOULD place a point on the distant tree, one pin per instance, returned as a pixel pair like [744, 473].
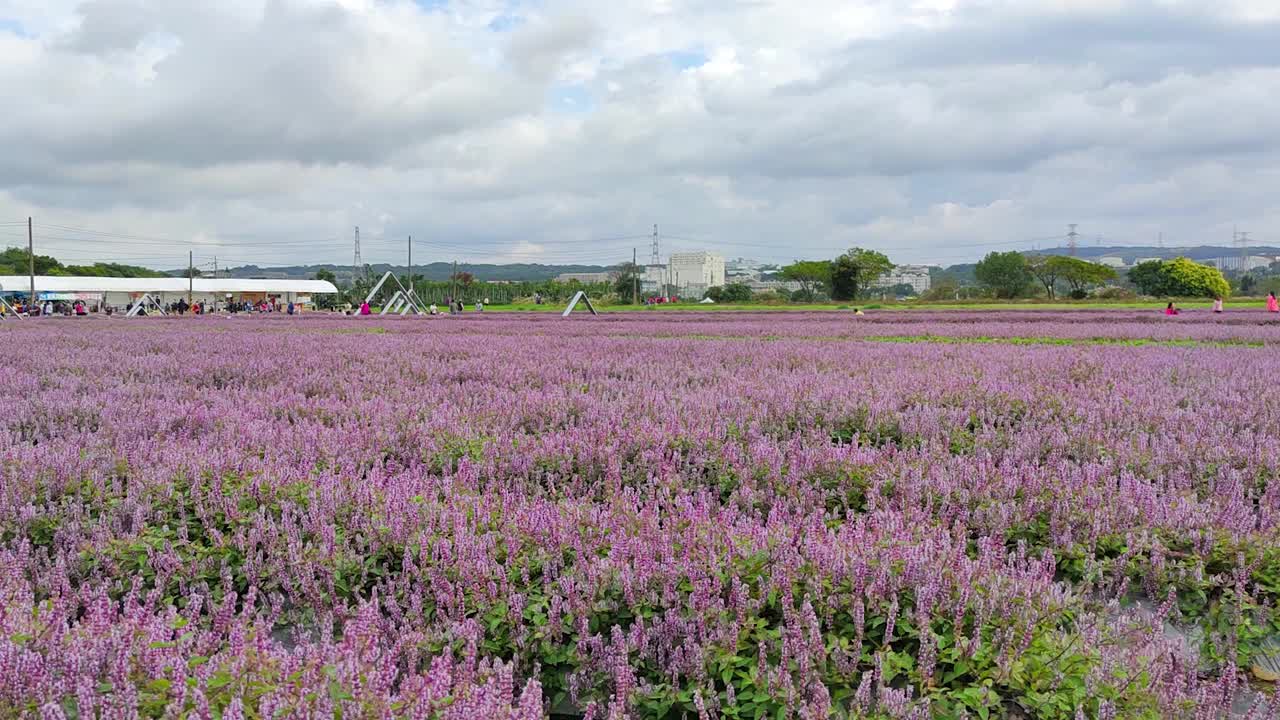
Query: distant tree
[16, 261]
[901, 290]
[463, 278]
[854, 272]
[625, 279]
[735, 293]
[327, 301]
[1082, 274]
[191, 272]
[1149, 278]
[1005, 273]
[811, 274]
[1180, 277]
[1188, 278]
[944, 290]
[1247, 283]
[1045, 270]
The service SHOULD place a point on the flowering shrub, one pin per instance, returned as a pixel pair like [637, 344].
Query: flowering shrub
[993, 515]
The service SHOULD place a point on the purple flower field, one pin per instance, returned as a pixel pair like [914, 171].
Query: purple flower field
[933, 515]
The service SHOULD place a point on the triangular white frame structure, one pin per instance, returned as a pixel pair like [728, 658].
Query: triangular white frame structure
[582, 295]
[403, 300]
[148, 302]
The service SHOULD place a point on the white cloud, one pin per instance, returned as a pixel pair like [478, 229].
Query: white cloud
[771, 128]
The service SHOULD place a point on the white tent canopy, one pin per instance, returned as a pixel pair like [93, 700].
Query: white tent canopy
[209, 286]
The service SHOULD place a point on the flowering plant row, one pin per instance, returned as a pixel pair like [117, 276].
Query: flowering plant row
[728, 516]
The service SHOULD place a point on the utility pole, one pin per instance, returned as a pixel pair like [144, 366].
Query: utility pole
[1072, 238]
[453, 284]
[31, 265]
[654, 258]
[411, 265]
[635, 274]
[215, 267]
[191, 275]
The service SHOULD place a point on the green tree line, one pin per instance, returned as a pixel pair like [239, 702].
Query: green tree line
[16, 261]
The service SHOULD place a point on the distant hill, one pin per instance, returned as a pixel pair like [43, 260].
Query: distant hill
[433, 271]
[1130, 252]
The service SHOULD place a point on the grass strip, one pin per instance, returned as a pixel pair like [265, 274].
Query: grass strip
[1015, 340]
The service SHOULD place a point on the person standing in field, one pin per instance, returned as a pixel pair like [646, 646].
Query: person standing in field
[1217, 305]
[1272, 304]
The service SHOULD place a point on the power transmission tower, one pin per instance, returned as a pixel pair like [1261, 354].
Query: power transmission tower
[654, 258]
[1072, 239]
[357, 265]
[1242, 242]
[31, 263]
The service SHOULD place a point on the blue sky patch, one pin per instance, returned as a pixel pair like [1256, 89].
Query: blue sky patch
[570, 99]
[685, 59]
[505, 22]
[12, 25]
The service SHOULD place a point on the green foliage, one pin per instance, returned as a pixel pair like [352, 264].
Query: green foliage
[1082, 274]
[1149, 278]
[626, 281]
[731, 293]
[1078, 274]
[1045, 270]
[1179, 277]
[328, 302]
[812, 275]
[1187, 278]
[1005, 273]
[854, 272]
[16, 261]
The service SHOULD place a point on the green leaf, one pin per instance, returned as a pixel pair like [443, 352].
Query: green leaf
[220, 679]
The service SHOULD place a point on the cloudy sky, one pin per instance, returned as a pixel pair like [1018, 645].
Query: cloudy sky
[561, 130]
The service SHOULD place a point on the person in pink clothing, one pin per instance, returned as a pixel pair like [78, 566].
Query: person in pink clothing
[364, 309]
[1272, 304]
[1170, 310]
[1217, 305]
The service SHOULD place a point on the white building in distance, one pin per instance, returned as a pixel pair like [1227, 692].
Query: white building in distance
[693, 273]
[1242, 264]
[587, 278]
[917, 276]
[654, 277]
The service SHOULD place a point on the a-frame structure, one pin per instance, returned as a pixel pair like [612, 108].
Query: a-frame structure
[8, 309]
[401, 302]
[147, 303]
[581, 296]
